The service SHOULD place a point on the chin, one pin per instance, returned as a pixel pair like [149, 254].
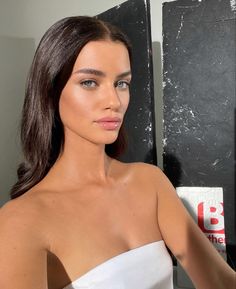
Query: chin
[110, 139]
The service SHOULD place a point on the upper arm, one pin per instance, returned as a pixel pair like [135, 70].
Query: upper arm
[187, 242]
[173, 219]
[23, 258]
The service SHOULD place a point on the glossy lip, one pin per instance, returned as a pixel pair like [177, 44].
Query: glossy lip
[109, 119]
[109, 123]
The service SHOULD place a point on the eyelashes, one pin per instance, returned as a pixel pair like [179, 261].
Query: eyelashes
[92, 84]
[122, 84]
[88, 83]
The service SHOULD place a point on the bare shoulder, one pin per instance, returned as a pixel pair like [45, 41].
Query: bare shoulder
[22, 242]
[23, 216]
[144, 167]
[146, 172]
[26, 209]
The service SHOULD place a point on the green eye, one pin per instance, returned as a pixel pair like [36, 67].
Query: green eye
[122, 84]
[89, 83]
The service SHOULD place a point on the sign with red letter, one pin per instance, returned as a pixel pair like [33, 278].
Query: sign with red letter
[205, 204]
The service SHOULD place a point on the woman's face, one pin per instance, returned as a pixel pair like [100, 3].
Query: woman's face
[95, 98]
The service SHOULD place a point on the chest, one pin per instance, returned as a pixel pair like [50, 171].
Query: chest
[90, 230]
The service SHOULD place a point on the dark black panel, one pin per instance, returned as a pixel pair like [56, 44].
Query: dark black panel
[133, 17]
[199, 99]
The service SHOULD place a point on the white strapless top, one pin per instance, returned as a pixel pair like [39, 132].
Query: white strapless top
[145, 267]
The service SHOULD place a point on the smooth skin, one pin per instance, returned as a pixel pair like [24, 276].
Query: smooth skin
[90, 208]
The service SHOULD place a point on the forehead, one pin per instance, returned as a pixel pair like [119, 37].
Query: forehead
[103, 54]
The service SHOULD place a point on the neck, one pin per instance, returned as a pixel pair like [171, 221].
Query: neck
[82, 160]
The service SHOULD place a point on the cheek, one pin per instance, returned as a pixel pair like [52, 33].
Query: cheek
[125, 103]
[73, 106]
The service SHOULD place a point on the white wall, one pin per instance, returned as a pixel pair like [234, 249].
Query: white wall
[15, 57]
[22, 24]
[31, 18]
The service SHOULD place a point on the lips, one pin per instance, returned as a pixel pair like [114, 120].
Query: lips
[109, 123]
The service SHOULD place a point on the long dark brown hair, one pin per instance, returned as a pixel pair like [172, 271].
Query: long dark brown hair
[42, 134]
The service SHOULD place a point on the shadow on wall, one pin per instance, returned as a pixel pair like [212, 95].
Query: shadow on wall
[158, 99]
[231, 248]
[16, 55]
[172, 169]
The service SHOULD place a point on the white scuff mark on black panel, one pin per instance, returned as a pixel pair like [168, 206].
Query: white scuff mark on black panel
[164, 142]
[225, 102]
[188, 7]
[170, 1]
[149, 127]
[175, 119]
[168, 80]
[233, 5]
[215, 162]
[180, 27]
[228, 154]
[146, 5]
[202, 173]
[191, 112]
[118, 7]
[200, 140]
[150, 143]
[148, 87]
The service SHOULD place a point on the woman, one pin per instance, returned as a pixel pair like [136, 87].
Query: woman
[79, 218]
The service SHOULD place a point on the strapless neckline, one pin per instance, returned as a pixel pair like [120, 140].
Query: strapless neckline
[113, 259]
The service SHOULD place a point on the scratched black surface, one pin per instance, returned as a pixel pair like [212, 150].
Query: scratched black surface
[133, 17]
[199, 44]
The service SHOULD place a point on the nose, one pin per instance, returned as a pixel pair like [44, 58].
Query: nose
[112, 98]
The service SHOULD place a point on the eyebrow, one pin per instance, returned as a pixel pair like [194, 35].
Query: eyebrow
[100, 73]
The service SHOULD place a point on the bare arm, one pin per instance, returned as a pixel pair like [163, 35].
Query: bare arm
[23, 258]
[199, 258]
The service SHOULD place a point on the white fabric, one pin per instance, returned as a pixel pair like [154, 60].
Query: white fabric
[145, 267]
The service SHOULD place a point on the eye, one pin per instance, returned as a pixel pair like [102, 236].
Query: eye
[89, 83]
[122, 84]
